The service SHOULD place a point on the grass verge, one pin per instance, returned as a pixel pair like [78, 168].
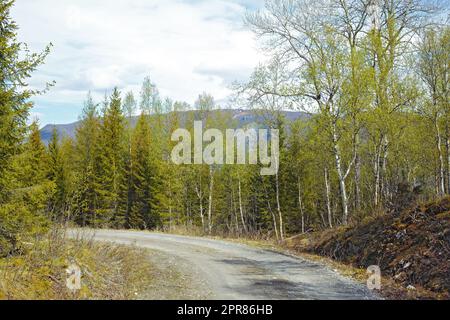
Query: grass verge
[108, 271]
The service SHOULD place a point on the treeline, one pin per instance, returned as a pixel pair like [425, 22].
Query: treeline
[118, 172]
[372, 74]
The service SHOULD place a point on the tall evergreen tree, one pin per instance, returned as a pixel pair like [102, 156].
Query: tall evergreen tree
[142, 214]
[32, 188]
[20, 204]
[16, 66]
[57, 173]
[112, 149]
[87, 164]
[32, 165]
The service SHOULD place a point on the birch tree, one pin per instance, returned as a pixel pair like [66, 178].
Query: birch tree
[433, 70]
[317, 65]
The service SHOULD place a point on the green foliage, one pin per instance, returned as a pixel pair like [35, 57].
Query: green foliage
[141, 176]
[111, 150]
[60, 172]
[16, 66]
[19, 224]
[86, 156]
[365, 147]
[24, 189]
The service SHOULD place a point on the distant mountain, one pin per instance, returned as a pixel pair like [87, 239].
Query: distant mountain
[242, 117]
[64, 130]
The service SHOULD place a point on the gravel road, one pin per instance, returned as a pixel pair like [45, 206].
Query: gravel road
[211, 269]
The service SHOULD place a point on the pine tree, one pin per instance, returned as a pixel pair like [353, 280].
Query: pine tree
[57, 173]
[16, 66]
[112, 149]
[127, 190]
[87, 165]
[25, 214]
[142, 214]
[20, 204]
[32, 165]
[32, 188]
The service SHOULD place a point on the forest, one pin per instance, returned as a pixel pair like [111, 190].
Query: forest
[371, 76]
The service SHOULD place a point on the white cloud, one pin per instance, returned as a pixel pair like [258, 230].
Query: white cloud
[185, 46]
[34, 116]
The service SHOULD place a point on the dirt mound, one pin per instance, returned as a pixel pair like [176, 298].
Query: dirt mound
[412, 247]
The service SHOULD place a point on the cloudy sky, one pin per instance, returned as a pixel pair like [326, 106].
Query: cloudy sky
[185, 46]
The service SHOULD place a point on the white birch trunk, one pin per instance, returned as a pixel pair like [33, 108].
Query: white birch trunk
[300, 203]
[327, 190]
[441, 179]
[341, 176]
[211, 188]
[280, 215]
[241, 210]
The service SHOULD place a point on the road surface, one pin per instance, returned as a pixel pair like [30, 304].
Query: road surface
[222, 270]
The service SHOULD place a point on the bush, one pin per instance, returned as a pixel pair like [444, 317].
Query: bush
[23, 217]
[18, 225]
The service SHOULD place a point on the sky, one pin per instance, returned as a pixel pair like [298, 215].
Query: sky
[186, 47]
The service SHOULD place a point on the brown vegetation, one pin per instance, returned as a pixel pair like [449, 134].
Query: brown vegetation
[109, 272]
[412, 248]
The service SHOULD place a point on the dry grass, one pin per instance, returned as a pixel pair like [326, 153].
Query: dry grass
[182, 230]
[109, 272]
[196, 231]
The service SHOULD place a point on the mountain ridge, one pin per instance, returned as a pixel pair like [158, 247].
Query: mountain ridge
[243, 117]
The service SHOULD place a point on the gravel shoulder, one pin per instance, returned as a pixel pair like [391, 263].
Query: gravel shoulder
[174, 279]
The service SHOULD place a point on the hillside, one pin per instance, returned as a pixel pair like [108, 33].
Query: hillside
[243, 118]
[412, 247]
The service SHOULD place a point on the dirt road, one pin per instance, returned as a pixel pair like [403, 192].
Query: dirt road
[212, 269]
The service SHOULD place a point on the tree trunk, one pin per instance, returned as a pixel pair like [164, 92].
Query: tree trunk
[201, 214]
[211, 188]
[447, 145]
[241, 210]
[280, 215]
[275, 226]
[327, 191]
[441, 181]
[233, 205]
[274, 218]
[199, 192]
[341, 176]
[300, 203]
[384, 189]
[377, 173]
[357, 183]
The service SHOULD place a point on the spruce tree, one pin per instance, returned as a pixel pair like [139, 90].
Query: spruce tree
[126, 189]
[32, 165]
[141, 212]
[19, 205]
[57, 173]
[31, 187]
[16, 66]
[87, 164]
[112, 149]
